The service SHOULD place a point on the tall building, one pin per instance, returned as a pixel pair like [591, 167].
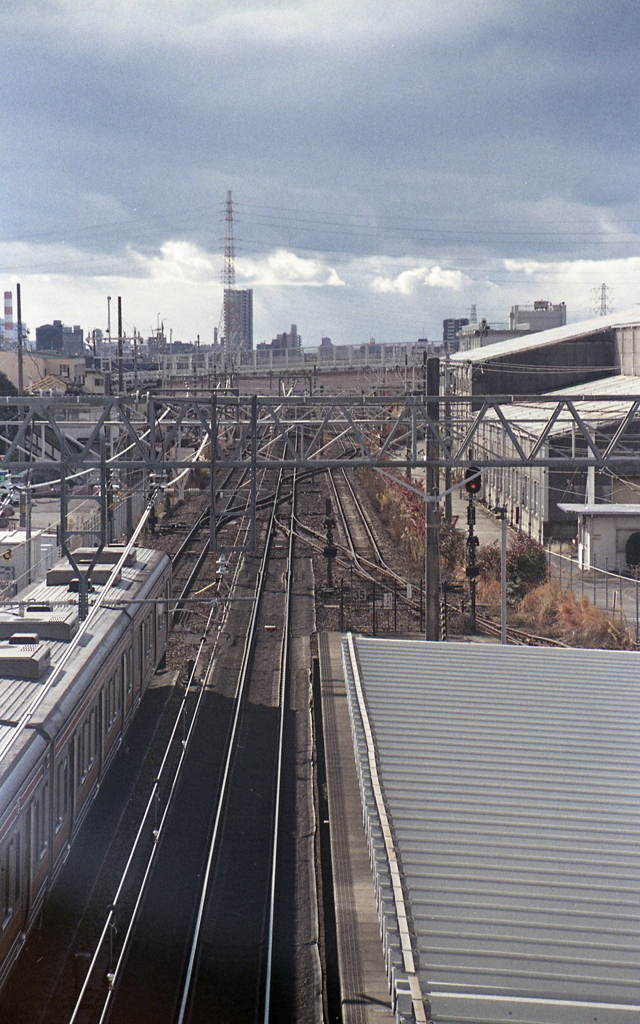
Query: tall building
[238, 319]
[450, 328]
[291, 341]
[541, 316]
[56, 337]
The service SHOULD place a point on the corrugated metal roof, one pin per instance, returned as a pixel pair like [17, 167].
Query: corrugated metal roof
[535, 414]
[511, 778]
[516, 346]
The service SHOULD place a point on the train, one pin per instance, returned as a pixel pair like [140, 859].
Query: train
[68, 693]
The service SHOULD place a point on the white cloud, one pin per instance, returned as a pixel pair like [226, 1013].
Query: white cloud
[578, 282]
[218, 23]
[179, 261]
[285, 268]
[405, 282]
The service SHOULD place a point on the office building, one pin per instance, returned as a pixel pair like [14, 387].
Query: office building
[450, 329]
[238, 319]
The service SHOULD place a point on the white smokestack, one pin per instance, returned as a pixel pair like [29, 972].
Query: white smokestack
[8, 318]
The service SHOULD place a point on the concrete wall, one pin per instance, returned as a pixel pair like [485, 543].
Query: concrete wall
[602, 540]
[627, 341]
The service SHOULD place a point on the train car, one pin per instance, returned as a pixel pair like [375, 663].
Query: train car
[68, 692]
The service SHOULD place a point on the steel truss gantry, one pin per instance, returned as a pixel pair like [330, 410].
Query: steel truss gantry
[393, 431]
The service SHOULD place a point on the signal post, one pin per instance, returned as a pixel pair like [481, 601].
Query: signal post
[473, 485]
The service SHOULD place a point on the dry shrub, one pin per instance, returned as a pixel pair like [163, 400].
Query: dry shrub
[550, 611]
[488, 594]
[403, 513]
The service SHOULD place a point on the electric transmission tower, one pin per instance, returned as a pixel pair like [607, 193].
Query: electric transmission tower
[229, 276]
[602, 300]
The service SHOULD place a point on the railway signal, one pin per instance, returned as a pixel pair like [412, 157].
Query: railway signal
[473, 484]
[472, 480]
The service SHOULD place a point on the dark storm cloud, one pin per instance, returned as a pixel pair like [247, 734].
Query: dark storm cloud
[431, 130]
[515, 97]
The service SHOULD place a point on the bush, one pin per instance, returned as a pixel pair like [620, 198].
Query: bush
[526, 566]
[550, 611]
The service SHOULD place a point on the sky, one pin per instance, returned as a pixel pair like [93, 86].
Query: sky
[390, 164]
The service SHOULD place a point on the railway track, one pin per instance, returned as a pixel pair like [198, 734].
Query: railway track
[207, 934]
[365, 555]
[206, 929]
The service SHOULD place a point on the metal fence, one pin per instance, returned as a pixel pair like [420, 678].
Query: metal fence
[615, 593]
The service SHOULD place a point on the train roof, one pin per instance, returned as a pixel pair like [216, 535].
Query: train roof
[43, 644]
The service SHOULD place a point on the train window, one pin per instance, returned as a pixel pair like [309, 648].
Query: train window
[10, 879]
[148, 636]
[36, 830]
[62, 792]
[86, 748]
[94, 739]
[160, 610]
[111, 700]
[40, 824]
[18, 868]
[126, 670]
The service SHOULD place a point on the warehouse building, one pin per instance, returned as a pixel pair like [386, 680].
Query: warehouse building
[531, 494]
[553, 359]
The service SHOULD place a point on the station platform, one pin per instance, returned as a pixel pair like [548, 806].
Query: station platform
[364, 988]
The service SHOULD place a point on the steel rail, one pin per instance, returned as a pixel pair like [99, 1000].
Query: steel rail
[150, 806]
[284, 676]
[241, 687]
[365, 522]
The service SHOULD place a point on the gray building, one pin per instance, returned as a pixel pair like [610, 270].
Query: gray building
[56, 337]
[541, 316]
[599, 358]
[477, 334]
[238, 319]
[450, 329]
[291, 341]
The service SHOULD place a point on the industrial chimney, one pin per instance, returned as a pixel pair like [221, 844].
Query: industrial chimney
[8, 320]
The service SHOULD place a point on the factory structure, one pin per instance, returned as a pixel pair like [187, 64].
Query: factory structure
[598, 358]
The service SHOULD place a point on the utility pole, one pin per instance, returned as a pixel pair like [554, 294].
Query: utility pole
[431, 533]
[602, 300]
[20, 354]
[501, 512]
[108, 377]
[120, 369]
[448, 511]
